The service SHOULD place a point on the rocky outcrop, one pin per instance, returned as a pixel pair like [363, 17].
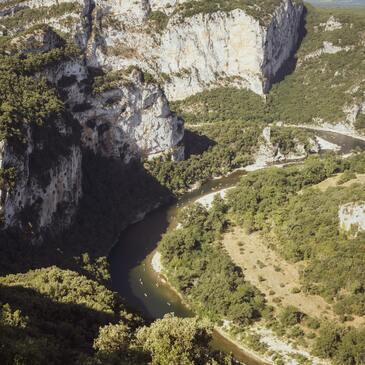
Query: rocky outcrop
[354, 113]
[270, 152]
[205, 50]
[188, 52]
[129, 118]
[352, 218]
[47, 190]
[328, 48]
[41, 40]
[133, 119]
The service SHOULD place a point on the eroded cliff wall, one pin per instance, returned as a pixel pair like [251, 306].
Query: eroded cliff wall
[193, 51]
[124, 119]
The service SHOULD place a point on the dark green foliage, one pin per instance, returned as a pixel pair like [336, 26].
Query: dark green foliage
[226, 146]
[26, 16]
[159, 20]
[346, 176]
[351, 350]
[214, 286]
[24, 101]
[51, 315]
[225, 152]
[110, 80]
[114, 79]
[260, 9]
[307, 224]
[223, 104]
[288, 138]
[290, 316]
[7, 178]
[307, 227]
[259, 194]
[173, 340]
[328, 340]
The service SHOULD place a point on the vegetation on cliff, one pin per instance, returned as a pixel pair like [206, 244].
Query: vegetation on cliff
[262, 10]
[323, 86]
[28, 16]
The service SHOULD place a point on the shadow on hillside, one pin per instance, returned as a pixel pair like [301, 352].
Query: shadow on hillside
[55, 332]
[195, 143]
[290, 65]
[114, 195]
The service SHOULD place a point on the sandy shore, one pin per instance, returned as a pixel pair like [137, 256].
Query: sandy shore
[339, 130]
[326, 145]
[156, 262]
[207, 200]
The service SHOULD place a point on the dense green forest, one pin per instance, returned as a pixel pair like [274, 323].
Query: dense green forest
[54, 316]
[306, 225]
[265, 200]
[215, 150]
[191, 255]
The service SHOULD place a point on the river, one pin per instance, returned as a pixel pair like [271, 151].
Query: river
[130, 259]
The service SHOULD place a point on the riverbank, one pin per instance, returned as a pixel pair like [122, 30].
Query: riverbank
[274, 345]
[247, 353]
[129, 261]
[157, 268]
[340, 129]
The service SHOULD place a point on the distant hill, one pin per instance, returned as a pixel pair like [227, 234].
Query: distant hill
[342, 3]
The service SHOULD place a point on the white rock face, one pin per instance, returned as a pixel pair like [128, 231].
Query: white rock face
[40, 41]
[331, 24]
[269, 153]
[352, 217]
[326, 145]
[328, 48]
[131, 119]
[195, 53]
[138, 122]
[202, 51]
[50, 197]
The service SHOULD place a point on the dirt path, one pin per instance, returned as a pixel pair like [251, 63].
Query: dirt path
[264, 268]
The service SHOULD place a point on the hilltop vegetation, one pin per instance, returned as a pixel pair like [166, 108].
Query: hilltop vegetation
[308, 226]
[28, 16]
[261, 9]
[54, 316]
[307, 223]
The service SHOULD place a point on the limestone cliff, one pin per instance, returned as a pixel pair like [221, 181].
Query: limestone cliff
[48, 186]
[352, 217]
[195, 51]
[124, 119]
[130, 53]
[190, 45]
